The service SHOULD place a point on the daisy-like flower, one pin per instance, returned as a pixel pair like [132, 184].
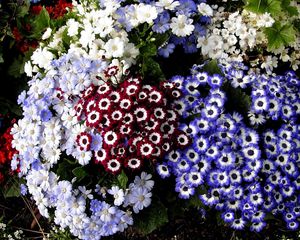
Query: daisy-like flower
[144, 181]
[111, 138]
[228, 217]
[84, 140]
[155, 138]
[260, 104]
[159, 113]
[155, 97]
[182, 140]
[210, 112]
[215, 81]
[93, 118]
[226, 160]
[203, 125]
[145, 149]
[133, 163]
[185, 191]
[131, 89]
[118, 194]
[104, 104]
[163, 170]
[113, 165]
[101, 155]
[251, 152]
[257, 226]
[141, 114]
[256, 199]
[125, 104]
[181, 26]
[116, 115]
[238, 224]
[140, 198]
[104, 89]
[194, 178]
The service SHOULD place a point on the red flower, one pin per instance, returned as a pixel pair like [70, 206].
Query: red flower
[36, 9]
[84, 141]
[133, 163]
[113, 165]
[59, 10]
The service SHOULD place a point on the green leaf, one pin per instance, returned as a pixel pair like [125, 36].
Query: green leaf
[23, 10]
[1, 58]
[291, 10]
[40, 23]
[16, 69]
[279, 36]
[122, 179]
[79, 173]
[151, 218]
[148, 50]
[212, 68]
[12, 189]
[262, 6]
[63, 171]
[152, 70]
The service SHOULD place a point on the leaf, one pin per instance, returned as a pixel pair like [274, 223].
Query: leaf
[212, 67]
[291, 10]
[23, 10]
[151, 218]
[122, 179]
[12, 189]
[262, 6]
[152, 70]
[40, 23]
[1, 58]
[16, 69]
[79, 173]
[63, 170]
[279, 36]
[148, 50]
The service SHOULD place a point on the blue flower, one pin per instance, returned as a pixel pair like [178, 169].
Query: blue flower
[161, 24]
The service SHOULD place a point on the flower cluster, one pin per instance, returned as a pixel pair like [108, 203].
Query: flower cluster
[105, 28]
[133, 122]
[57, 11]
[8, 233]
[53, 126]
[87, 213]
[186, 21]
[232, 34]
[242, 176]
[235, 35]
[6, 150]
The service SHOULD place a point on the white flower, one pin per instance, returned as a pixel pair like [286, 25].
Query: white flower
[144, 181]
[83, 157]
[168, 4]
[118, 195]
[42, 57]
[72, 27]
[140, 198]
[47, 34]
[146, 13]
[265, 20]
[182, 26]
[114, 48]
[28, 69]
[87, 35]
[205, 9]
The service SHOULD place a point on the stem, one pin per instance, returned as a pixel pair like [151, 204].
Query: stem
[32, 213]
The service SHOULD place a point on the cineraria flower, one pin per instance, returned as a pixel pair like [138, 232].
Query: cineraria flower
[226, 151]
[181, 26]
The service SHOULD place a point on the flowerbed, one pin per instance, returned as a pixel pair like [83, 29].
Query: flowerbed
[115, 123]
